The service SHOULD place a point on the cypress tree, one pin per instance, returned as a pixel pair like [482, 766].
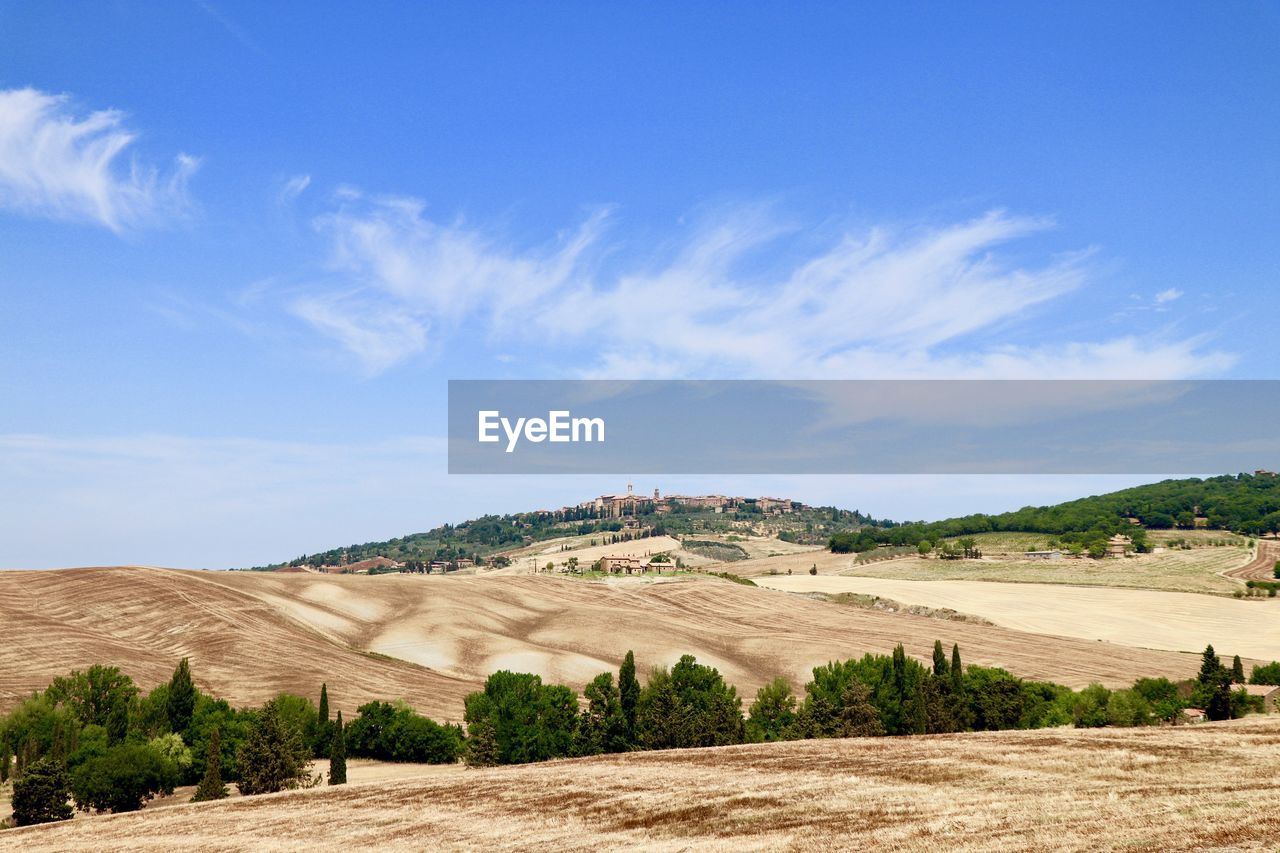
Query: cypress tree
[629, 693]
[338, 753]
[1210, 664]
[211, 787]
[939, 660]
[957, 671]
[915, 716]
[323, 735]
[1214, 686]
[182, 699]
[1237, 670]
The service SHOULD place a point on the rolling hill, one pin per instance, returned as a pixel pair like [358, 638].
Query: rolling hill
[432, 639]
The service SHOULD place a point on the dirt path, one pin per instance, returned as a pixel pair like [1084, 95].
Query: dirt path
[1262, 566]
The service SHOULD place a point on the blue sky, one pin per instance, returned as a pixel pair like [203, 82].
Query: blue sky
[243, 246]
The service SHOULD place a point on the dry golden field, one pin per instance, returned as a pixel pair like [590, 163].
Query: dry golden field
[1197, 570]
[1206, 787]
[432, 639]
[1132, 617]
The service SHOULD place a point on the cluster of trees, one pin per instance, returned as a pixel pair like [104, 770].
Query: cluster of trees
[93, 739]
[1244, 503]
[518, 719]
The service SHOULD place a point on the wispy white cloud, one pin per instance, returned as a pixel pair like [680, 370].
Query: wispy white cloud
[292, 188]
[57, 165]
[875, 302]
[1169, 295]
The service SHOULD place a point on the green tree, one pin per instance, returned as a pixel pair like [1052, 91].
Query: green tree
[602, 726]
[1213, 686]
[530, 721]
[628, 692]
[181, 701]
[273, 756]
[690, 705]
[394, 732]
[924, 547]
[123, 778]
[1237, 670]
[858, 716]
[1265, 674]
[323, 729]
[99, 696]
[41, 794]
[772, 714]
[211, 787]
[957, 671]
[338, 754]
[939, 660]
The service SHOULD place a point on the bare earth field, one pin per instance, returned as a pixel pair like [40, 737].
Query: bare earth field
[1207, 787]
[1262, 567]
[434, 639]
[1132, 617]
[1201, 570]
[144, 620]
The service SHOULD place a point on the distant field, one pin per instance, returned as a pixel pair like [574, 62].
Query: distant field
[1132, 617]
[1205, 787]
[1196, 537]
[1196, 570]
[1009, 543]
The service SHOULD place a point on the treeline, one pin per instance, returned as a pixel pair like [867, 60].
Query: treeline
[94, 739]
[518, 719]
[1244, 503]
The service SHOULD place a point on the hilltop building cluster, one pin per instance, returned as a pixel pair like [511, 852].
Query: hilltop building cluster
[632, 504]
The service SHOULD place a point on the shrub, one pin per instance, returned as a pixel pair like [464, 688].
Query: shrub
[41, 794]
[1089, 708]
[123, 778]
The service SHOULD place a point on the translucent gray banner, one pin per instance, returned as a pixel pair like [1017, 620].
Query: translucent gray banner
[863, 427]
